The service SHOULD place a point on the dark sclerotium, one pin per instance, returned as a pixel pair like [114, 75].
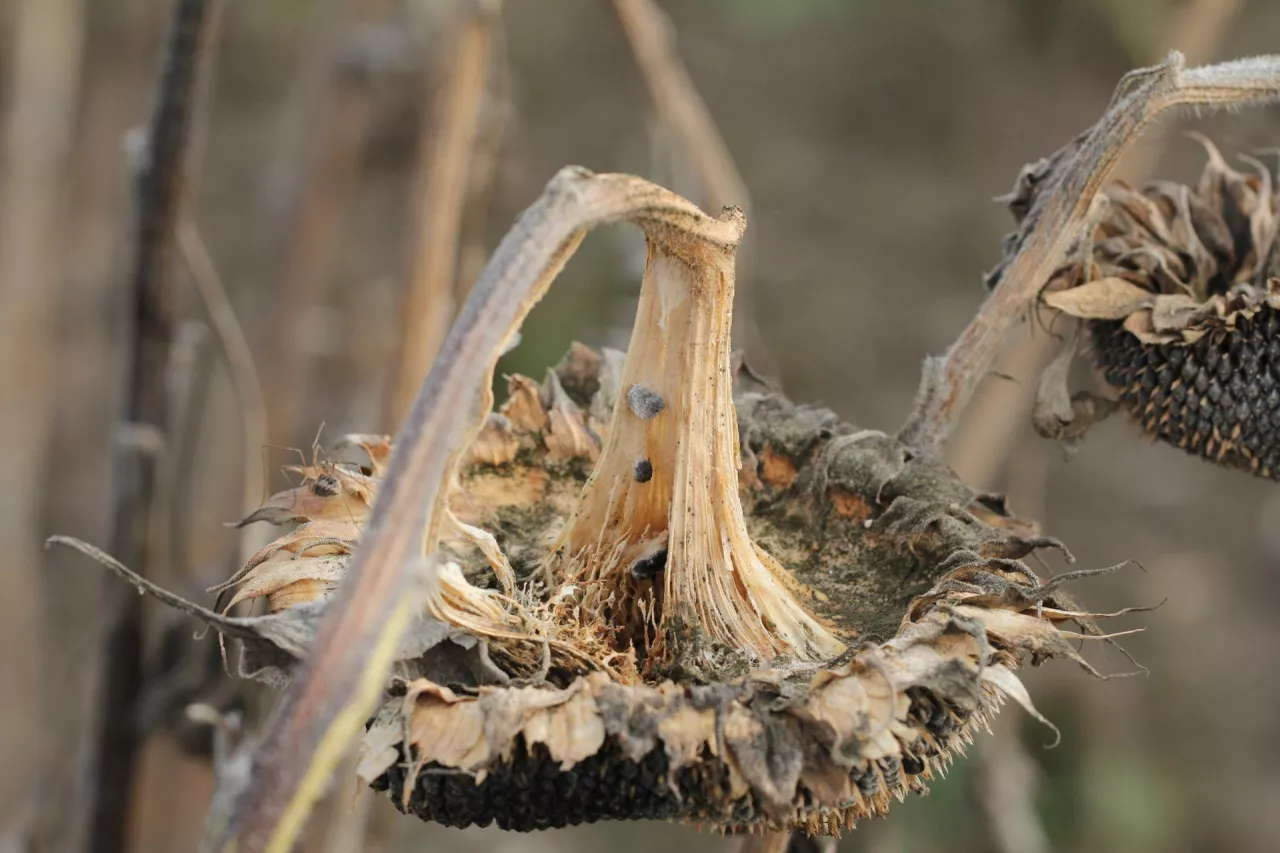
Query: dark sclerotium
[1217, 398]
[644, 402]
[646, 568]
[644, 470]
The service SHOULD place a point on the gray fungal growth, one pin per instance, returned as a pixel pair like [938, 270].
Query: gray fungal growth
[643, 470]
[645, 403]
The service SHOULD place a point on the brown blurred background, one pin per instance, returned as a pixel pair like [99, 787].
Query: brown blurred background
[872, 136]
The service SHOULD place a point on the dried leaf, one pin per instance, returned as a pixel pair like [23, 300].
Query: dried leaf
[1139, 209]
[1239, 200]
[272, 644]
[1053, 398]
[1059, 414]
[1105, 299]
[1174, 312]
[447, 728]
[315, 538]
[571, 731]
[1262, 218]
[456, 529]
[579, 372]
[378, 747]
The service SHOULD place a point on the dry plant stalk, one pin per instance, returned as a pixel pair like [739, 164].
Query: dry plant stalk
[497, 114]
[696, 142]
[1065, 187]
[336, 123]
[678, 104]
[42, 90]
[159, 178]
[239, 358]
[444, 166]
[665, 490]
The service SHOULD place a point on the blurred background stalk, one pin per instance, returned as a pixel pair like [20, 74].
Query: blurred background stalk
[322, 173]
[45, 55]
[447, 144]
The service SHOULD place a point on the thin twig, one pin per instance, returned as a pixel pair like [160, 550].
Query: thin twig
[239, 356]
[189, 370]
[444, 165]
[1061, 209]
[326, 705]
[158, 199]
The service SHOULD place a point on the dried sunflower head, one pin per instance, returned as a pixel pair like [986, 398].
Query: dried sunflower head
[563, 719]
[1177, 289]
[654, 594]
